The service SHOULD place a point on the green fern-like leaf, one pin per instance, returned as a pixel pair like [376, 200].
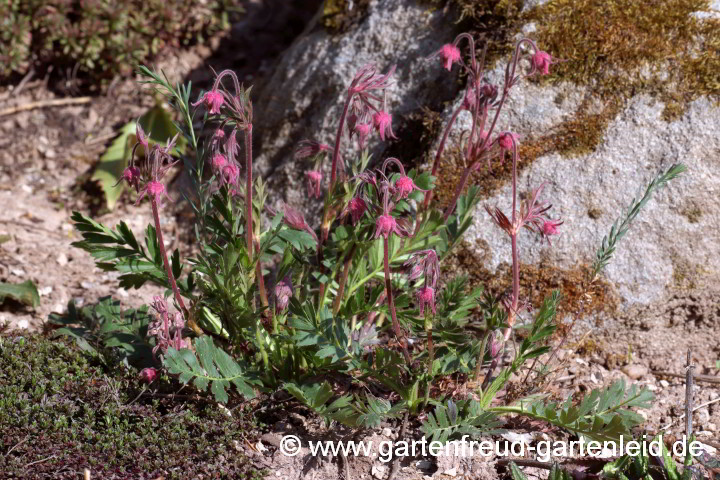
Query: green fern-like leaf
[603, 415]
[316, 396]
[212, 366]
[454, 420]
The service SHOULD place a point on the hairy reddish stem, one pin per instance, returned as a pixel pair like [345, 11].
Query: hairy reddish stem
[458, 191]
[391, 303]
[438, 154]
[163, 252]
[249, 215]
[248, 190]
[338, 137]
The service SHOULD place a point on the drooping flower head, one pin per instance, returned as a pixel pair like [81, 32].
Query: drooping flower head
[212, 101]
[292, 218]
[310, 148]
[148, 375]
[231, 173]
[540, 62]
[382, 121]
[314, 183]
[356, 208]
[550, 228]
[385, 225]
[426, 296]
[404, 186]
[218, 162]
[424, 262]
[362, 130]
[283, 292]
[450, 54]
[160, 328]
[506, 140]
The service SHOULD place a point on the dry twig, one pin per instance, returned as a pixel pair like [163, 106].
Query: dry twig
[55, 102]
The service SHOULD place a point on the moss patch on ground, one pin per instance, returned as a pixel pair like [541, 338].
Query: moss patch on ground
[61, 412]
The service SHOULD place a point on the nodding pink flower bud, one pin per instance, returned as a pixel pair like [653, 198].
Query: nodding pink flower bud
[155, 189]
[404, 186]
[382, 121]
[506, 140]
[356, 208]
[148, 375]
[495, 347]
[314, 183]
[426, 296]
[218, 162]
[489, 91]
[131, 176]
[540, 62]
[283, 292]
[310, 148]
[212, 100]
[424, 262]
[549, 228]
[449, 54]
[386, 224]
[141, 138]
[362, 130]
[293, 219]
[230, 173]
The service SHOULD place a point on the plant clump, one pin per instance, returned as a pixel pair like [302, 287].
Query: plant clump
[358, 322]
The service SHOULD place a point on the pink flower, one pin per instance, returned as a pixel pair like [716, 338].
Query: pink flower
[283, 292]
[141, 138]
[217, 139]
[404, 186]
[314, 183]
[218, 162]
[212, 100]
[506, 140]
[362, 130]
[131, 176]
[310, 148]
[293, 219]
[356, 208]
[495, 347]
[426, 296]
[230, 173]
[540, 62]
[155, 189]
[549, 228]
[148, 375]
[450, 54]
[386, 224]
[424, 262]
[382, 121]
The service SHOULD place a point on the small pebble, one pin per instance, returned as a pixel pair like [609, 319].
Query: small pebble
[62, 259]
[635, 371]
[45, 291]
[664, 383]
[23, 324]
